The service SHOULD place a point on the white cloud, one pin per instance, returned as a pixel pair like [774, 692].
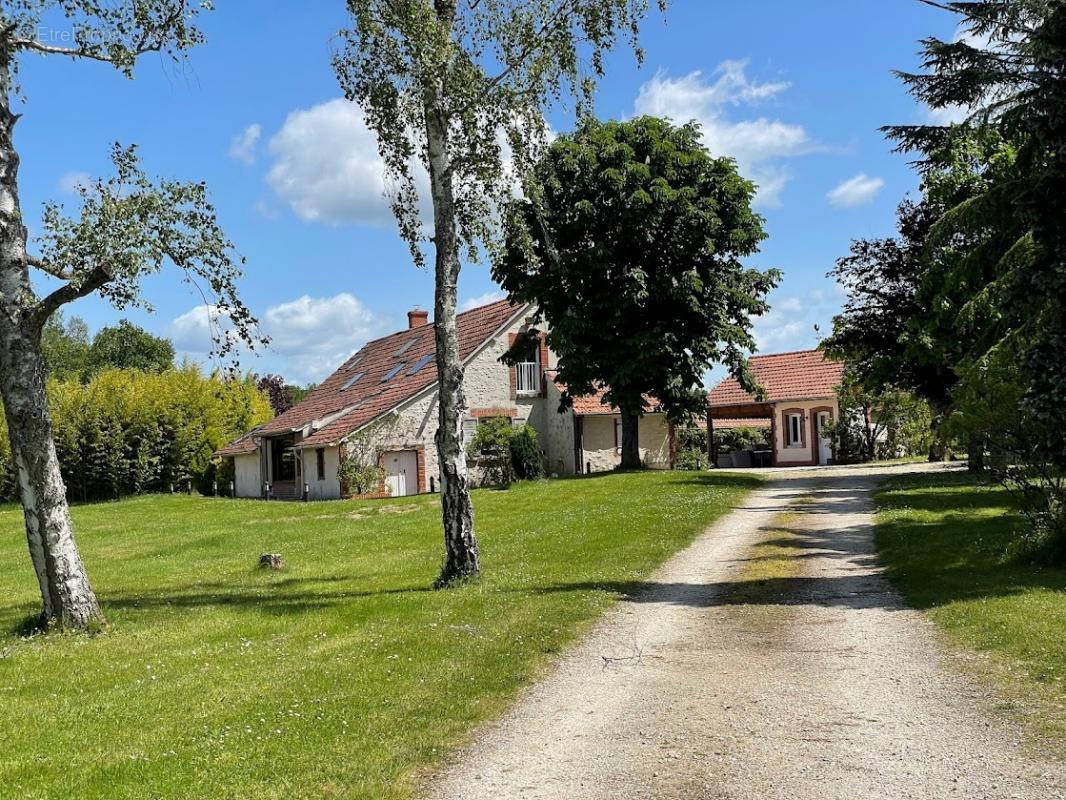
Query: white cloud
[855, 191]
[70, 181]
[310, 336]
[796, 322]
[480, 300]
[756, 144]
[327, 167]
[242, 146]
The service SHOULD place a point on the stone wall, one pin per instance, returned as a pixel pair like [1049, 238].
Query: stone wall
[601, 452]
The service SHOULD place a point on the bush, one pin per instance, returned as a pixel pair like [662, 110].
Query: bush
[361, 477]
[735, 440]
[527, 460]
[127, 432]
[691, 448]
[490, 452]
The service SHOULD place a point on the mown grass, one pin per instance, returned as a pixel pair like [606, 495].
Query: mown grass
[342, 675]
[948, 544]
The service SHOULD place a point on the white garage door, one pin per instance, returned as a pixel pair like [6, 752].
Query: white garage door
[401, 472]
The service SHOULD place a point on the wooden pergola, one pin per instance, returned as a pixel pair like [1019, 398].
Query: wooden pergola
[737, 411]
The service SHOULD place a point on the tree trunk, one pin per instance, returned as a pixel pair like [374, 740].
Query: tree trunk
[869, 436]
[938, 448]
[67, 598]
[460, 542]
[630, 439]
[976, 454]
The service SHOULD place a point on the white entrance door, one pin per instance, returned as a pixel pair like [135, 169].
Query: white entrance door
[401, 472]
[825, 451]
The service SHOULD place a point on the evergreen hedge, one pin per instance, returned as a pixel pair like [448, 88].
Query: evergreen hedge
[128, 432]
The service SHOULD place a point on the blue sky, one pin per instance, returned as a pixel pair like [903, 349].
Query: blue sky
[795, 91]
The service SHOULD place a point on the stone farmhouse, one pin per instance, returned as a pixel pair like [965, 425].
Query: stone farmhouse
[385, 398]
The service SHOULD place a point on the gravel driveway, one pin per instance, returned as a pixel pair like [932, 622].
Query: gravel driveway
[821, 686]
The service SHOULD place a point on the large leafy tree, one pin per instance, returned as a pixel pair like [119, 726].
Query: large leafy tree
[636, 263]
[458, 89]
[127, 225]
[129, 346]
[917, 303]
[1010, 74]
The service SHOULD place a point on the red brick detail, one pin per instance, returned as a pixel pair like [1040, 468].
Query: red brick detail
[773, 441]
[542, 358]
[420, 455]
[814, 428]
[785, 413]
[512, 372]
[479, 413]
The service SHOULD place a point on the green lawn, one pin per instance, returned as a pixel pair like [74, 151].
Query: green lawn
[342, 675]
[946, 542]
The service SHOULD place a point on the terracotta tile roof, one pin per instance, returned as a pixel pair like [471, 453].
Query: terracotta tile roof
[339, 406]
[785, 376]
[589, 404]
[753, 422]
[245, 445]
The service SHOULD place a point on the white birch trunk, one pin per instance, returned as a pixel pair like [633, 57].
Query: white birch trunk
[460, 542]
[66, 596]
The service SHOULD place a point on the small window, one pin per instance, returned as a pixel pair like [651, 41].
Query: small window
[348, 383]
[320, 463]
[406, 346]
[420, 363]
[795, 430]
[392, 372]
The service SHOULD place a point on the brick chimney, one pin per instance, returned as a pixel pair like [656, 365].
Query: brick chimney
[417, 317]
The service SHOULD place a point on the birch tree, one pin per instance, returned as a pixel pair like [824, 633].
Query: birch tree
[460, 89]
[126, 226]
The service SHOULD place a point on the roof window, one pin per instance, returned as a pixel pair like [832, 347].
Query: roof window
[392, 372]
[351, 380]
[420, 363]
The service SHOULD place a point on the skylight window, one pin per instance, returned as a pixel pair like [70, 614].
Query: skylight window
[355, 360]
[420, 363]
[392, 372]
[407, 346]
[352, 380]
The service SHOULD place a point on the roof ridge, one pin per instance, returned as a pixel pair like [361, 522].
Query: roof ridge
[792, 353]
[431, 324]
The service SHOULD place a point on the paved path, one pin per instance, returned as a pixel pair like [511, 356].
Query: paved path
[823, 686]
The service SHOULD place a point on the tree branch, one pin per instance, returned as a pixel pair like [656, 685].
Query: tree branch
[69, 292]
[55, 272]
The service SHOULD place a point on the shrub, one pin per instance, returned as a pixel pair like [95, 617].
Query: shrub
[735, 440]
[490, 452]
[526, 458]
[360, 471]
[691, 448]
[360, 477]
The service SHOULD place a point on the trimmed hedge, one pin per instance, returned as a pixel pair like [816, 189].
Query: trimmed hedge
[127, 432]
